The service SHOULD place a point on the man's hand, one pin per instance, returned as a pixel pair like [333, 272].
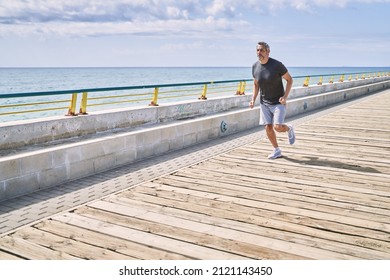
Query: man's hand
[282, 100]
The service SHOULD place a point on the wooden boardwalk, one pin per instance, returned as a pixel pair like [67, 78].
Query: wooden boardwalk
[327, 198]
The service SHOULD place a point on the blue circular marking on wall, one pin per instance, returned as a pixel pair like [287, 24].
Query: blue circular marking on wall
[223, 126]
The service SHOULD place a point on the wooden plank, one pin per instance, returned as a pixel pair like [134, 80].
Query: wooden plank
[275, 244]
[298, 230]
[172, 245]
[303, 154]
[323, 187]
[367, 182]
[263, 204]
[238, 235]
[9, 256]
[330, 130]
[328, 127]
[276, 195]
[246, 157]
[254, 215]
[179, 231]
[288, 168]
[124, 247]
[74, 248]
[332, 162]
[29, 250]
[307, 182]
[306, 191]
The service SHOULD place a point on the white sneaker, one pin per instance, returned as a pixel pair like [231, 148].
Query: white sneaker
[277, 153]
[291, 135]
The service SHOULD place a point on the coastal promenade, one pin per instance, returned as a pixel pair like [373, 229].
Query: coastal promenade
[327, 198]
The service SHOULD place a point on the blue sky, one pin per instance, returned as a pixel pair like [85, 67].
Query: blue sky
[132, 33]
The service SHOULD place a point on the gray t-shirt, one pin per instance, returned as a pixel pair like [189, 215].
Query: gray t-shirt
[269, 76]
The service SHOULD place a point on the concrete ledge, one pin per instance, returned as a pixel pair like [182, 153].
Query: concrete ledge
[34, 169]
[30, 171]
[312, 102]
[326, 87]
[30, 132]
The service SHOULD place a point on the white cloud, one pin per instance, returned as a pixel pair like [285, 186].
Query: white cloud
[101, 17]
[174, 47]
[302, 5]
[166, 28]
[217, 7]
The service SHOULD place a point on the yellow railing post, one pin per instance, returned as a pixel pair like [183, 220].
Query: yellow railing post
[238, 92]
[72, 106]
[155, 97]
[306, 82]
[243, 88]
[341, 78]
[320, 81]
[350, 78]
[363, 76]
[203, 96]
[83, 107]
[331, 80]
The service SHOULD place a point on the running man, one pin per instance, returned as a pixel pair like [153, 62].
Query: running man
[267, 75]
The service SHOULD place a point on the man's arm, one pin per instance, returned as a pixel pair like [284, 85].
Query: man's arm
[255, 93]
[289, 80]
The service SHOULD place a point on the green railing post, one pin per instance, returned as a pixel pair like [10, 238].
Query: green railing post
[83, 107]
[72, 106]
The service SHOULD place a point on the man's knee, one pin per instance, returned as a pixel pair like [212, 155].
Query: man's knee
[269, 127]
[279, 127]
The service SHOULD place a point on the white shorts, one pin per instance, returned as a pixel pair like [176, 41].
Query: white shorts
[272, 114]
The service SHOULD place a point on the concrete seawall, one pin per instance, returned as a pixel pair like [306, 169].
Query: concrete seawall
[47, 152]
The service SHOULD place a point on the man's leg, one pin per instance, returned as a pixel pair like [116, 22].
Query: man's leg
[277, 152]
[279, 115]
[266, 118]
[269, 128]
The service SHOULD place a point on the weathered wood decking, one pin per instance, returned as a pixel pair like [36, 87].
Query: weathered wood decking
[327, 198]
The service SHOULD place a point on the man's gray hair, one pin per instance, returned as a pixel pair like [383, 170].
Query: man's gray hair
[264, 44]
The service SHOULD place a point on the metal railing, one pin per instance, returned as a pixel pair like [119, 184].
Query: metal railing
[110, 97]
